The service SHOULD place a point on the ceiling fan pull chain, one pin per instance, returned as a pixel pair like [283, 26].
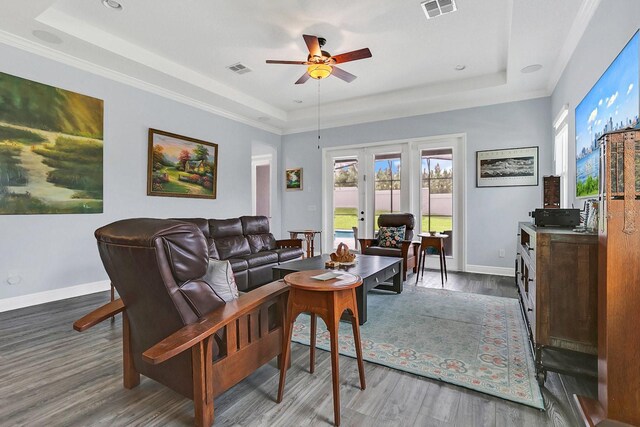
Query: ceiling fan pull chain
[318, 113]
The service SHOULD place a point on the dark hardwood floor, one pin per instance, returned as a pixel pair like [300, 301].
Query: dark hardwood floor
[51, 375]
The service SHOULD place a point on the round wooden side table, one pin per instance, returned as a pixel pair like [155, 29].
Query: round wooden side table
[327, 299]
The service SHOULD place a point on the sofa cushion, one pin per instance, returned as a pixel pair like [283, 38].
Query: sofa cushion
[261, 242]
[238, 265]
[220, 278]
[232, 247]
[254, 224]
[287, 254]
[225, 227]
[377, 250]
[261, 258]
[391, 237]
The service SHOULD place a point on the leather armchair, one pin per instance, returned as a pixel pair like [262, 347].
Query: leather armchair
[409, 250]
[176, 330]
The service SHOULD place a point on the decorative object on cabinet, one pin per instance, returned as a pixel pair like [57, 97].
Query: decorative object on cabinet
[618, 284]
[551, 192]
[293, 179]
[51, 149]
[616, 91]
[556, 276]
[507, 168]
[179, 166]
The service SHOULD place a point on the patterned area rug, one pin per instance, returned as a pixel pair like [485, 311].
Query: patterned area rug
[474, 341]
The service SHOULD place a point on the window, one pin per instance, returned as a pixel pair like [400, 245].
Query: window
[387, 185]
[436, 206]
[561, 155]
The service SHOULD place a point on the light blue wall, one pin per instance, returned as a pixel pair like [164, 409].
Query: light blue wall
[493, 213]
[613, 24]
[57, 251]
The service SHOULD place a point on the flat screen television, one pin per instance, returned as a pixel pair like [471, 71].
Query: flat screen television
[612, 104]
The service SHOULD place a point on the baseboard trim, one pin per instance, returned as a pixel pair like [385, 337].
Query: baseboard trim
[488, 269]
[14, 303]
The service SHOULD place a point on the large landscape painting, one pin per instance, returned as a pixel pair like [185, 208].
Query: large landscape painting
[50, 149]
[613, 103]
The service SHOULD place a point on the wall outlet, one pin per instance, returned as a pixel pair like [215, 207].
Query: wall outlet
[501, 253]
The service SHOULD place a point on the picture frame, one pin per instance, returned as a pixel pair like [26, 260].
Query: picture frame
[508, 167]
[180, 166]
[293, 179]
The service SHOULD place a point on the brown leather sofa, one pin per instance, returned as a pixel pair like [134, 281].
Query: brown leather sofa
[409, 250]
[176, 330]
[248, 245]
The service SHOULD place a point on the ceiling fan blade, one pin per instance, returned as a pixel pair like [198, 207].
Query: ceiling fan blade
[352, 56]
[313, 45]
[342, 74]
[303, 79]
[275, 61]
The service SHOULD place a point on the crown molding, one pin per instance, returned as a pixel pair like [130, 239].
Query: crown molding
[579, 26]
[75, 62]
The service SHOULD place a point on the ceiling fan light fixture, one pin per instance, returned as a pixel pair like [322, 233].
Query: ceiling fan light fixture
[319, 71]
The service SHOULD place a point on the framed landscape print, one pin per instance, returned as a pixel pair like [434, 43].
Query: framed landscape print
[293, 179]
[506, 168]
[179, 166]
[50, 149]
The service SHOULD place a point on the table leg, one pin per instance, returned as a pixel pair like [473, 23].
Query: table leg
[313, 245]
[309, 241]
[334, 323]
[286, 347]
[440, 254]
[357, 341]
[419, 265]
[424, 260]
[312, 344]
[361, 303]
[113, 297]
[397, 280]
[444, 262]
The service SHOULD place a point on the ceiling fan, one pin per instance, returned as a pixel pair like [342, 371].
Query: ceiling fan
[321, 64]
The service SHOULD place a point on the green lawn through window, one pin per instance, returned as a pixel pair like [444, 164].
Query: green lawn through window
[345, 218]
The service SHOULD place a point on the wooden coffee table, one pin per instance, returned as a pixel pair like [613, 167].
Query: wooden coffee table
[374, 271]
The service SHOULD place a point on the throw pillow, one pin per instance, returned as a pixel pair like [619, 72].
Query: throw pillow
[220, 277]
[391, 237]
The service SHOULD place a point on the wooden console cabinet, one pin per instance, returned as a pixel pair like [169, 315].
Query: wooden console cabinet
[556, 275]
[618, 284]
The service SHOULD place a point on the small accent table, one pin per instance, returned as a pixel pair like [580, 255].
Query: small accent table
[327, 299]
[309, 237]
[437, 242]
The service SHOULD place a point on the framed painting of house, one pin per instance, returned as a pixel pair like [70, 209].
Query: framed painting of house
[293, 179]
[179, 166]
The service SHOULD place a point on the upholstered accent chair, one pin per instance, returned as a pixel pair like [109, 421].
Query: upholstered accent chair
[408, 250]
[176, 329]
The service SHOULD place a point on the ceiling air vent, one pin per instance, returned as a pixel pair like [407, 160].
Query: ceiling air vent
[433, 8]
[239, 68]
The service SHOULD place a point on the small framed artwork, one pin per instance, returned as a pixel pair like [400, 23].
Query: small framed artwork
[179, 166]
[293, 179]
[506, 168]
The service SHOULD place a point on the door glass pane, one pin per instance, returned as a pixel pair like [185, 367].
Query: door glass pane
[345, 201]
[387, 185]
[436, 206]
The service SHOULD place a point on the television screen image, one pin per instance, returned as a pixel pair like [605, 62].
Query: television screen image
[612, 104]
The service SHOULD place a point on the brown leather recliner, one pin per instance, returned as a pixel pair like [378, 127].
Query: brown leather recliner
[176, 330]
[409, 250]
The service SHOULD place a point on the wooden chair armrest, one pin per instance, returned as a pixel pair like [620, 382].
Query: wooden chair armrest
[289, 243]
[98, 315]
[365, 243]
[406, 244]
[190, 335]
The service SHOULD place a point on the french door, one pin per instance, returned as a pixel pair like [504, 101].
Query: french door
[424, 176]
[361, 184]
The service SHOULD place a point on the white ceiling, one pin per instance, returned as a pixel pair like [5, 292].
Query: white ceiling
[181, 49]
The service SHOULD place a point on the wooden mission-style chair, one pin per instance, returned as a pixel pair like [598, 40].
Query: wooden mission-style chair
[408, 250]
[176, 330]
